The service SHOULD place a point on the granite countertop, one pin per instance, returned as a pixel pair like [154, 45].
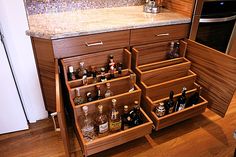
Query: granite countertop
[85, 22]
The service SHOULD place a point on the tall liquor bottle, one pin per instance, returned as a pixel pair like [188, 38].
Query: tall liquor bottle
[135, 115]
[115, 118]
[160, 110]
[108, 92]
[78, 99]
[71, 74]
[170, 104]
[87, 125]
[98, 92]
[181, 102]
[194, 98]
[126, 120]
[103, 76]
[101, 122]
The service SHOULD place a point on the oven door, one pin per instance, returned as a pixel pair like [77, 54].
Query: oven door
[215, 32]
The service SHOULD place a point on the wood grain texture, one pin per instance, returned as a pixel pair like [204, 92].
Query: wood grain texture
[155, 34]
[44, 57]
[216, 74]
[68, 47]
[208, 132]
[184, 7]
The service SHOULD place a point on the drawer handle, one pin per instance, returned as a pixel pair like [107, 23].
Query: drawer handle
[163, 34]
[94, 44]
[53, 115]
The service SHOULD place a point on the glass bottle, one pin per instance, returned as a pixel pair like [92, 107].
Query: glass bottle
[84, 80]
[115, 118]
[94, 74]
[98, 92]
[87, 125]
[170, 104]
[132, 82]
[126, 120]
[82, 70]
[181, 102]
[71, 74]
[89, 97]
[108, 92]
[135, 115]
[78, 99]
[169, 54]
[111, 66]
[160, 110]
[119, 68]
[101, 122]
[103, 76]
[176, 50]
[194, 98]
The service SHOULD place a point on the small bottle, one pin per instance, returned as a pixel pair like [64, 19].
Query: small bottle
[94, 74]
[169, 54]
[85, 80]
[180, 105]
[132, 82]
[108, 92]
[98, 92]
[160, 110]
[170, 104]
[89, 97]
[111, 66]
[135, 115]
[82, 70]
[176, 50]
[119, 68]
[103, 76]
[194, 98]
[101, 122]
[87, 125]
[71, 74]
[78, 99]
[126, 120]
[115, 118]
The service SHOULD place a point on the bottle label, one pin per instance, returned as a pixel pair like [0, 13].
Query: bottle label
[103, 128]
[114, 126]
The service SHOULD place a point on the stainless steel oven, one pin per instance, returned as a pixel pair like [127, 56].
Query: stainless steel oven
[213, 23]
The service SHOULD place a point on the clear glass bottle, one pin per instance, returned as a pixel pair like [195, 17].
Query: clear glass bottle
[181, 102]
[71, 74]
[135, 115]
[99, 96]
[87, 125]
[160, 110]
[82, 70]
[126, 120]
[115, 118]
[101, 123]
[108, 92]
[85, 80]
[78, 99]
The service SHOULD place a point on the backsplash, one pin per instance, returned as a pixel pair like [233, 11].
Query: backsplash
[46, 6]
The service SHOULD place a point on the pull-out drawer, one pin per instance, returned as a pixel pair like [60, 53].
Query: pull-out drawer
[158, 34]
[81, 45]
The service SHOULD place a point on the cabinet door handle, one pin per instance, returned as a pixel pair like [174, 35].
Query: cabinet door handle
[163, 34]
[94, 44]
[53, 115]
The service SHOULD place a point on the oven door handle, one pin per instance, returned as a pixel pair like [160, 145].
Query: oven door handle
[223, 19]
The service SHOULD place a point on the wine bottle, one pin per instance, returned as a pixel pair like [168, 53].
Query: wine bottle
[181, 102]
[194, 98]
[170, 104]
[71, 74]
[126, 120]
[135, 115]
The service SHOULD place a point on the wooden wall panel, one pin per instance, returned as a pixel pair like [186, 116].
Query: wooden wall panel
[185, 7]
[44, 57]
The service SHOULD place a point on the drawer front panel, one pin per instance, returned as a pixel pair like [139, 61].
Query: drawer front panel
[68, 47]
[157, 34]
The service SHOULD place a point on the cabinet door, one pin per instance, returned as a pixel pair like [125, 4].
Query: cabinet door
[60, 110]
[216, 72]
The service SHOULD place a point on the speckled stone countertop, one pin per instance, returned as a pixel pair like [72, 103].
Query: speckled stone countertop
[85, 22]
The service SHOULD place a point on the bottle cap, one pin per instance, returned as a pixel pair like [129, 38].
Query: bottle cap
[88, 94]
[172, 44]
[126, 107]
[71, 69]
[111, 56]
[108, 84]
[136, 102]
[85, 108]
[102, 69]
[113, 101]
[81, 63]
[161, 104]
[100, 107]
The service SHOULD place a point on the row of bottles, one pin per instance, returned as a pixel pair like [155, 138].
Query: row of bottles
[174, 50]
[103, 124]
[170, 106]
[83, 73]
[78, 99]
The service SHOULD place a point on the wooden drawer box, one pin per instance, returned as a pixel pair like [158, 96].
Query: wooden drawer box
[158, 34]
[81, 45]
[173, 118]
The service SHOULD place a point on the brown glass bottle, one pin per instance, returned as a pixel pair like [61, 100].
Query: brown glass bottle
[115, 118]
[101, 123]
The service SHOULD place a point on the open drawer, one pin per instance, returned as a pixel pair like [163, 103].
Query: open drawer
[98, 60]
[114, 139]
[178, 116]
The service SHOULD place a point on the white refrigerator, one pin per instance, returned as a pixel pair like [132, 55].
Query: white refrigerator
[12, 116]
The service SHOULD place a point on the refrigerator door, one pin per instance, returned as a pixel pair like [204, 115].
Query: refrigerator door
[12, 116]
